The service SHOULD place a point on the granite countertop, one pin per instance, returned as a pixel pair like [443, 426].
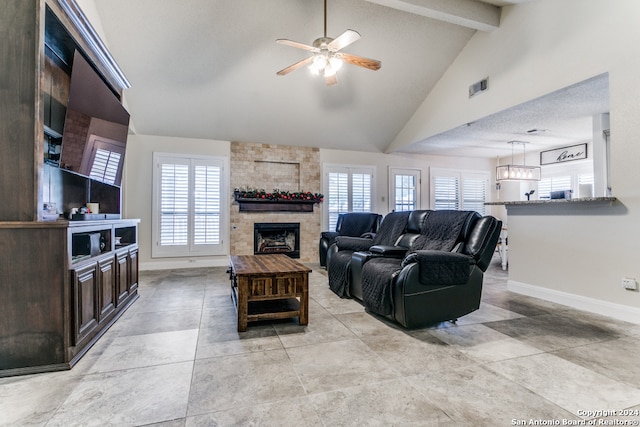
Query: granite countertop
[598, 200]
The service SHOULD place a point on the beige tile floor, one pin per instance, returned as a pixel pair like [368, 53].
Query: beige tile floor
[176, 359]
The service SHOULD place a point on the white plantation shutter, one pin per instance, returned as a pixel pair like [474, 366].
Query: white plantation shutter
[174, 204]
[474, 194]
[554, 183]
[207, 205]
[338, 197]
[348, 190]
[447, 191]
[189, 205]
[459, 190]
[361, 192]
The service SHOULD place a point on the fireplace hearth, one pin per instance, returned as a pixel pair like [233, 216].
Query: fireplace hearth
[277, 238]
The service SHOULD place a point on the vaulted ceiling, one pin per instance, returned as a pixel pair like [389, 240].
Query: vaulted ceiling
[207, 68]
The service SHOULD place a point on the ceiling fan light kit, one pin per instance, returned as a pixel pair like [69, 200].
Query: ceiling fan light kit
[513, 172]
[327, 59]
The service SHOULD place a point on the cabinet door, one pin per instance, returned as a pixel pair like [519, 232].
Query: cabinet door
[107, 282]
[133, 270]
[122, 277]
[85, 292]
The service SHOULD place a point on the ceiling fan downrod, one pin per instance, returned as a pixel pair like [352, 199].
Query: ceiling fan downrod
[325, 19]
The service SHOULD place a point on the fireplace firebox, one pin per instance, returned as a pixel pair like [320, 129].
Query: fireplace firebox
[277, 238]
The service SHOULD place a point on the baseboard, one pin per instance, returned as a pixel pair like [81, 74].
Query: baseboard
[187, 263]
[605, 308]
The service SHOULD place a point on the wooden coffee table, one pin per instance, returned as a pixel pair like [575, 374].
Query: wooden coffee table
[267, 287]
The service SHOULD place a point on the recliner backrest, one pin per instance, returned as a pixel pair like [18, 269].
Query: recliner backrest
[415, 224]
[392, 227]
[355, 224]
[445, 230]
[482, 240]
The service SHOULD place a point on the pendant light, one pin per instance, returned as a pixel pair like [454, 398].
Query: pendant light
[514, 172]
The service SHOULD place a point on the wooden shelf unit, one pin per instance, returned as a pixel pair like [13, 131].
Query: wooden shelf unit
[55, 305]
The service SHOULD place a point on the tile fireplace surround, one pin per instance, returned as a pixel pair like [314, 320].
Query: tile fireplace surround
[271, 166]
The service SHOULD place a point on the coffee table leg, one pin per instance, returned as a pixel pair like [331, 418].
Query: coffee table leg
[304, 300]
[243, 303]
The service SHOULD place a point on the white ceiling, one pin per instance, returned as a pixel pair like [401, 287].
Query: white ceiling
[207, 69]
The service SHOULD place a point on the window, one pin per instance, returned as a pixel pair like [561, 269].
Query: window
[553, 183]
[446, 192]
[576, 176]
[348, 189]
[188, 216]
[404, 191]
[474, 193]
[459, 190]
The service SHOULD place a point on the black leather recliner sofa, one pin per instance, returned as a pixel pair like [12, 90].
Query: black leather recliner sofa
[353, 224]
[339, 253]
[427, 278]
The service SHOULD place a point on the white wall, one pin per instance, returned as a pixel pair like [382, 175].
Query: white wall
[383, 162]
[137, 191]
[578, 256]
[137, 182]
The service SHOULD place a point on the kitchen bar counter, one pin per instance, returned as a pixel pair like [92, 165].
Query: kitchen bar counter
[554, 202]
[579, 206]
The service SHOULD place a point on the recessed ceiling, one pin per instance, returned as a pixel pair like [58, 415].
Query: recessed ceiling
[207, 69]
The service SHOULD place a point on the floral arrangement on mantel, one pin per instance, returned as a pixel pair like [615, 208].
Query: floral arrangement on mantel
[277, 195]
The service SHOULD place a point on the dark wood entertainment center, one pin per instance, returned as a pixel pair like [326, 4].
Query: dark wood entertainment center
[58, 299]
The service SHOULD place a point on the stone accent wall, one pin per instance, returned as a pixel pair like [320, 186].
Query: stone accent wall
[268, 166]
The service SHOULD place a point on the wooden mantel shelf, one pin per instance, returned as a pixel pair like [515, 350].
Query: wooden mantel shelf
[277, 205]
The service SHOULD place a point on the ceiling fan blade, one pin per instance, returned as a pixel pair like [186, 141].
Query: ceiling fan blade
[299, 45]
[331, 80]
[371, 64]
[295, 66]
[344, 40]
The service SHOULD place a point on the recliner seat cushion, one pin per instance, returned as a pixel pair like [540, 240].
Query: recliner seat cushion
[377, 284]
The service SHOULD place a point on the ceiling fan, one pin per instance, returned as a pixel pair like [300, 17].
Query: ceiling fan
[327, 57]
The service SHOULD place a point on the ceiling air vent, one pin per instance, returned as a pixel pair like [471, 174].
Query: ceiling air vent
[478, 87]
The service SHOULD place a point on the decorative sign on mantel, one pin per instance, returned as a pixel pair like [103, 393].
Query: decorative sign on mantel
[564, 154]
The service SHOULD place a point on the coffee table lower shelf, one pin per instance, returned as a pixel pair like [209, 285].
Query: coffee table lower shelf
[270, 309]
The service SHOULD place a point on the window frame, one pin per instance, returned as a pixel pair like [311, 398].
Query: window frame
[393, 174]
[574, 170]
[460, 175]
[190, 249]
[350, 170]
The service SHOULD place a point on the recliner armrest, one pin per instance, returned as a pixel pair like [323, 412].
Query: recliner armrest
[389, 251]
[353, 243]
[440, 267]
[329, 235]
